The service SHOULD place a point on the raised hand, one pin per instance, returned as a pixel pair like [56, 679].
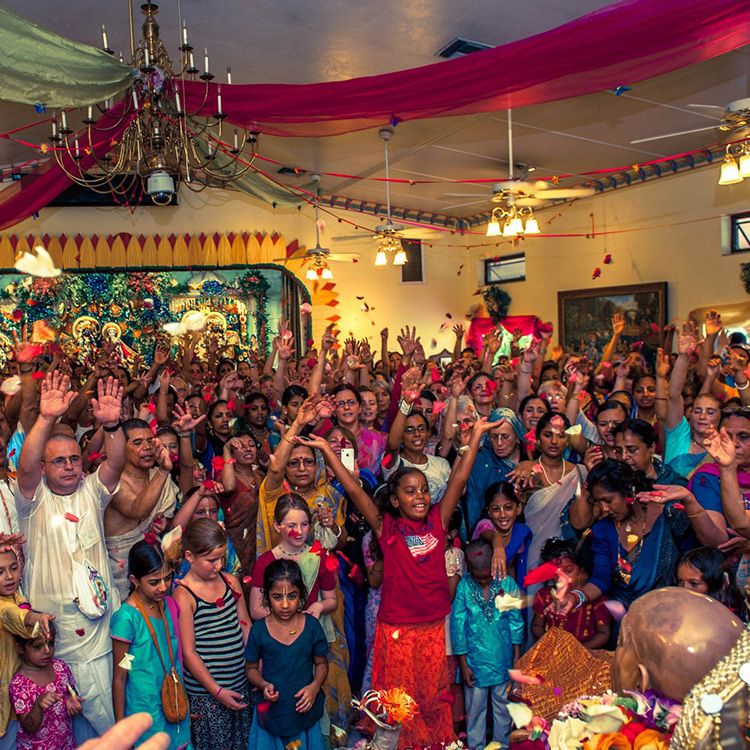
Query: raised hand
[9, 540]
[328, 340]
[56, 396]
[663, 364]
[618, 324]
[713, 323]
[410, 386]
[107, 406]
[530, 354]
[161, 355]
[161, 455]
[306, 412]
[408, 340]
[720, 447]
[687, 341]
[458, 329]
[184, 420]
[457, 384]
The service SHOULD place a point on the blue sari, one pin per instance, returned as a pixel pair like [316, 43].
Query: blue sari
[652, 567]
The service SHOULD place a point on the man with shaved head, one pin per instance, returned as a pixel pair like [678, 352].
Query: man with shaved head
[61, 514]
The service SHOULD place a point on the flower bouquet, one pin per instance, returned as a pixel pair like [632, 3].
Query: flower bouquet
[631, 721]
[390, 710]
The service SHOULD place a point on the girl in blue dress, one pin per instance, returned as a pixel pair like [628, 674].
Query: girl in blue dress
[293, 649]
[138, 672]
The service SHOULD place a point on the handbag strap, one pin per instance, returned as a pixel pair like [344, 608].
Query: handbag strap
[150, 627]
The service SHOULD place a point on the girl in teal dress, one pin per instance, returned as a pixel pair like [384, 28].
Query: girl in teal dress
[293, 650]
[138, 674]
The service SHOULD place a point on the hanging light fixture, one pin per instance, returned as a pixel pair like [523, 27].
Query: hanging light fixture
[730, 173]
[493, 228]
[381, 258]
[162, 145]
[744, 163]
[311, 275]
[399, 259]
[513, 225]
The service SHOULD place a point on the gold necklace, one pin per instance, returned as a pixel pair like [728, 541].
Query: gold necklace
[142, 601]
[293, 630]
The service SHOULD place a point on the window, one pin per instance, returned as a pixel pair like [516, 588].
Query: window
[412, 271]
[740, 233]
[506, 268]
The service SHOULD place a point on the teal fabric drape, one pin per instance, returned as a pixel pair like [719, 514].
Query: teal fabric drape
[38, 66]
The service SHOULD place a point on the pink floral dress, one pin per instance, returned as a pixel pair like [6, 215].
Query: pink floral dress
[56, 729]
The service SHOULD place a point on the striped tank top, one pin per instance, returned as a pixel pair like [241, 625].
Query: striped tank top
[218, 642]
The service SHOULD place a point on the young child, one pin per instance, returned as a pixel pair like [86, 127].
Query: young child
[214, 624]
[16, 618]
[293, 649]
[707, 571]
[43, 694]
[487, 643]
[509, 538]
[138, 673]
[409, 649]
[591, 623]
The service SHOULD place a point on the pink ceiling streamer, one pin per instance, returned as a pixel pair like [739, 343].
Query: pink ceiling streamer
[620, 44]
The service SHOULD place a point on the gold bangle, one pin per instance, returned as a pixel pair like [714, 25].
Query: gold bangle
[289, 440]
[695, 515]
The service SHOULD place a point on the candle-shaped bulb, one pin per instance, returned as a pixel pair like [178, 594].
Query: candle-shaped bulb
[236, 146]
[78, 151]
[192, 61]
[105, 41]
[218, 100]
[184, 35]
[210, 148]
[64, 120]
[54, 128]
[135, 99]
[177, 101]
[89, 112]
[229, 75]
[205, 61]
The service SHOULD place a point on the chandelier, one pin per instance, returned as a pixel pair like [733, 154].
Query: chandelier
[388, 245]
[158, 144]
[735, 168]
[514, 222]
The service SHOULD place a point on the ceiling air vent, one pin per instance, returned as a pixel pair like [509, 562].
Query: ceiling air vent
[459, 47]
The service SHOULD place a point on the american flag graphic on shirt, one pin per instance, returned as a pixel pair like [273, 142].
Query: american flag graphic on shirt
[419, 546]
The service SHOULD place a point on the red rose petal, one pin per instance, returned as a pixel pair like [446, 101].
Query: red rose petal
[209, 484]
[217, 463]
[242, 622]
[247, 579]
[12, 453]
[597, 273]
[70, 517]
[94, 456]
[449, 316]
[121, 564]
[37, 375]
[387, 460]
[236, 595]
[220, 603]
[607, 259]
[331, 563]
[448, 698]
[81, 632]
[30, 351]
[679, 506]
[262, 708]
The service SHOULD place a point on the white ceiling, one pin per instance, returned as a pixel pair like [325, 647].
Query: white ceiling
[296, 41]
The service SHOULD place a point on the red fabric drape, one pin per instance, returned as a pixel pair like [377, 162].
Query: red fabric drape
[616, 45]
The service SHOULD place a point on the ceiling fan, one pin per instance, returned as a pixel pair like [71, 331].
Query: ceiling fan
[320, 256]
[734, 121]
[389, 232]
[519, 193]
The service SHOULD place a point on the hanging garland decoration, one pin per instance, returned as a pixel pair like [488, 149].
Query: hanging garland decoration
[497, 301]
[138, 302]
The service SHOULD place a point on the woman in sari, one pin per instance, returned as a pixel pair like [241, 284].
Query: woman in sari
[299, 469]
[500, 453]
[635, 444]
[638, 541]
[556, 482]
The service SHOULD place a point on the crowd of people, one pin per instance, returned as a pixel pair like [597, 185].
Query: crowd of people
[239, 546]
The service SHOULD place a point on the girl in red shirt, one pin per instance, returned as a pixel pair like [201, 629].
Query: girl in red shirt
[409, 650]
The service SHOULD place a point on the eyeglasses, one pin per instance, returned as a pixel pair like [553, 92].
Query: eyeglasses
[60, 462]
[412, 430]
[502, 438]
[308, 463]
[348, 402]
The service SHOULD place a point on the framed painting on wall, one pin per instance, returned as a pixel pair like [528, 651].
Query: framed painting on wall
[585, 317]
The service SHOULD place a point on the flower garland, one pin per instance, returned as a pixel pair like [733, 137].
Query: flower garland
[631, 721]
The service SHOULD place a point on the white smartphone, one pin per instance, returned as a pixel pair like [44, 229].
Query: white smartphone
[347, 458]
